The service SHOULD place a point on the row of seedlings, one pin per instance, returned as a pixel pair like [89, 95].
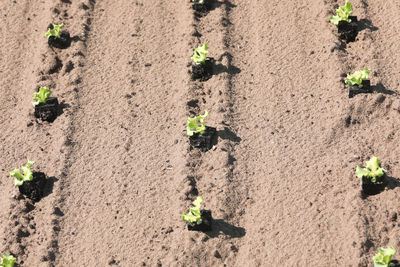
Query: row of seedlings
[32, 184]
[372, 176]
[200, 136]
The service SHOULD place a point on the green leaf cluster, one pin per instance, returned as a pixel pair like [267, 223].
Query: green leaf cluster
[342, 13]
[194, 215]
[193, 124]
[372, 170]
[200, 54]
[383, 257]
[56, 31]
[41, 96]
[7, 260]
[23, 174]
[357, 77]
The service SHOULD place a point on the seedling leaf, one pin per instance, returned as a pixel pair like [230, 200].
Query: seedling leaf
[357, 77]
[371, 171]
[384, 256]
[342, 13]
[200, 54]
[7, 260]
[194, 214]
[56, 31]
[22, 174]
[193, 124]
[198, 1]
[41, 96]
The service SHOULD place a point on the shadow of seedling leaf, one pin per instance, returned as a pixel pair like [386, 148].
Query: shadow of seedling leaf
[223, 228]
[392, 183]
[227, 134]
[366, 24]
[380, 88]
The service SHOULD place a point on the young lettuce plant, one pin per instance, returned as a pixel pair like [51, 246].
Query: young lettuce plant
[194, 215]
[383, 257]
[23, 174]
[342, 14]
[7, 260]
[55, 32]
[358, 77]
[193, 124]
[371, 171]
[200, 54]
[41, 96]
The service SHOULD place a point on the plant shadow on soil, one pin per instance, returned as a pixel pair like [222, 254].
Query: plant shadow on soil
[390, 183]
[218, 4]
[230, 69]
[220, 227]
[48, 189]
[380, 88]
[366, 24]
[61, 108]
[227, 134]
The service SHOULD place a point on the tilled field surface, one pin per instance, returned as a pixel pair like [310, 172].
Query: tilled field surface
[280, 180]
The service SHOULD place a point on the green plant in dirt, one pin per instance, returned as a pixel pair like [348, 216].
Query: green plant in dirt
[23, 174]
[358, 77]
[342, 14]
[193, 124]
[198, 1]
[7, 260]
[200, 54]
[384, 256]
[371, 171]
[194, 215]
[56, 31]
[41, 96]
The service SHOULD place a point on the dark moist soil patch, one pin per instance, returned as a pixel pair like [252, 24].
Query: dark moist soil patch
[47, 111]
[370, 188]
[203, 72]
[206, 222]
[34, 189]
[348, 31]
[203, 141]
[62, 42]
[355, 90]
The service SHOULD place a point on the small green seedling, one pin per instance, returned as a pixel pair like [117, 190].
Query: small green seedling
[371, 171]
[7, 260]
[200, 54]
[41, 96]
[198, 1]
[56, 31]
[342, 14]
[23, 174]
[193, 124]
[358, 77]
[383, 257]
[194, 215]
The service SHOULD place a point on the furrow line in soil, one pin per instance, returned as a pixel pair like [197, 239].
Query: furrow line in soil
[127, 163]
[299, 203]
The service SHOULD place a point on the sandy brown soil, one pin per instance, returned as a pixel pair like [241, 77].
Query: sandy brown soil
[280, 181]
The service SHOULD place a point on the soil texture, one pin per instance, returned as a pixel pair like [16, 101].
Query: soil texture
[280, 180]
